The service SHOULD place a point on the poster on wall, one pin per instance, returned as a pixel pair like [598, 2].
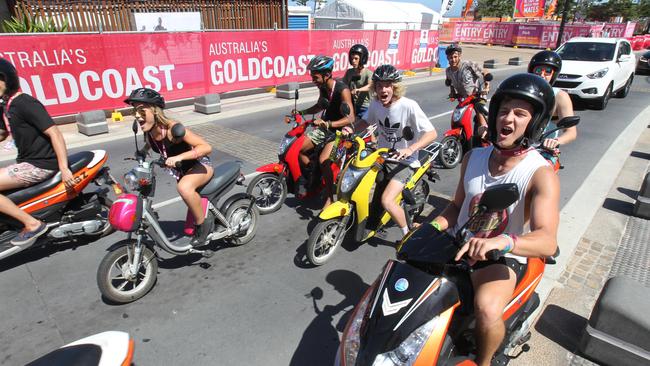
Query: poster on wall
[529, 9]
[168, 22]
[393, 41]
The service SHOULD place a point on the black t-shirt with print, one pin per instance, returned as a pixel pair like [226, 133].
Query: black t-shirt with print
[333, 111]
[28, 119]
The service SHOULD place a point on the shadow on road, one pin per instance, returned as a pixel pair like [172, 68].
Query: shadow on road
[561, 326]
[321, 338]
[628, 192]
[640, 155]
[38, 252]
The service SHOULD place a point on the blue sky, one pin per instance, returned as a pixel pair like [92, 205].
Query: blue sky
[433, 4]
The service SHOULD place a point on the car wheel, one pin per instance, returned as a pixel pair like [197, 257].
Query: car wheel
[602, 102]
[625, 90]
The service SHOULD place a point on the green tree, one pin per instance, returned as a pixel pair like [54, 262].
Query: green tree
[495, 8]
[301, 2]
[643, 9]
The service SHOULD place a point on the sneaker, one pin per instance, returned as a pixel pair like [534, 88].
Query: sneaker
[200, 236]
[29, 237]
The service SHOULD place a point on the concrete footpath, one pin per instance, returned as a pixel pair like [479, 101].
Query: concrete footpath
[615, 243]
[241, 105]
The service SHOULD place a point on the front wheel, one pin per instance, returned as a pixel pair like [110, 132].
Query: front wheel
[451, 152]
[323, 241]
[243, 221]
[625, 90]
[117, 279]
[602, 102]
[269, 191]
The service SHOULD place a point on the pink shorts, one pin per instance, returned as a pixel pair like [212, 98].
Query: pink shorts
[27, 174]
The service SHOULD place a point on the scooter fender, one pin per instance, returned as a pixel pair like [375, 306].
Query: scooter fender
[454, 132]
[336, 209]
[232, 199]
[275, 168]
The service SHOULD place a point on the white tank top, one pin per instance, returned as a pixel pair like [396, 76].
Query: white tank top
[478, 179]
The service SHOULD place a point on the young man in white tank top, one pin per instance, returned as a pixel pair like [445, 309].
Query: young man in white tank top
[548, 64]
[519, 111]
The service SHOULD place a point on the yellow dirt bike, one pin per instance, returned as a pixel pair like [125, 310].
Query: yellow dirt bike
[358, 210]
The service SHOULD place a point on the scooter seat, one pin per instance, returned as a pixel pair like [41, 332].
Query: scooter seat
[224, 175]
[76, 162]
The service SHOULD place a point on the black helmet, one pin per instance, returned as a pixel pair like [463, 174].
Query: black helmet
[147, 96]
[453, 48]
[361, 50]
[548, 58]
[386, 73]
[531, 88]
[321, 64]
[9, 75]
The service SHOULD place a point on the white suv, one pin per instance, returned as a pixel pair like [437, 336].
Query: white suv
[595, 68]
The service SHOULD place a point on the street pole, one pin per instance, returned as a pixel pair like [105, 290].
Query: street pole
[561, 31]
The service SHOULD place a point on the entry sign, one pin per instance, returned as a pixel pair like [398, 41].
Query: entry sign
[393, 41]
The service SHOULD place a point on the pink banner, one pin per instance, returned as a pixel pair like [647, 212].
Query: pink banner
[483, 32]
[76, 73]
[619, 30]
[529, 9]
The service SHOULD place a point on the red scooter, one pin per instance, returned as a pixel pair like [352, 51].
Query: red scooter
[460, 138]
[270, 188]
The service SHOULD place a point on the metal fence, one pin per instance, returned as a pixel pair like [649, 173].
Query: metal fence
[116, 15]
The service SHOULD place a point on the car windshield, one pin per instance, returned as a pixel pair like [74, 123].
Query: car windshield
[586, 51]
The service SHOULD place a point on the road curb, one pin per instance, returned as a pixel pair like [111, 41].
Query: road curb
[578, 213]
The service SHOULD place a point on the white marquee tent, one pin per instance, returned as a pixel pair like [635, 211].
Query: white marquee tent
[375, 14]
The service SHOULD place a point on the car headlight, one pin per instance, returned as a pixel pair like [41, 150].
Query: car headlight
[598, 74]
[350, 178]
[131, 181]
[458, 114]
[407, 352]
[285, 143]
[351, 337]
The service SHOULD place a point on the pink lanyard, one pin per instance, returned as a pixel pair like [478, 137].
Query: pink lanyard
[160, 144]
[5, 113]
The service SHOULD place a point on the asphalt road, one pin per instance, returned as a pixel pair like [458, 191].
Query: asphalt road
[248, 305]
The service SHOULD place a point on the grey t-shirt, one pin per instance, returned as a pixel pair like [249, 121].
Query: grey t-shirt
[363, 98]
[467, 80]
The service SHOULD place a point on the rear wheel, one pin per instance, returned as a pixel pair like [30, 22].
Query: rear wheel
[245, 222]
[451, 152]
[116, 278]
[269, 191]
[421, 194]
[323, 241]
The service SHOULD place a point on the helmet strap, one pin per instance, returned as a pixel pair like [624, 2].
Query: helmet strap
[522, 148]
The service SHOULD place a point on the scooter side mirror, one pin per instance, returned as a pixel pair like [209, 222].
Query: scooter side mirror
[447, 82]
[407, 133]
[488, 77]
[316, 293]
[499, 197]
[134, 127]
[345, 109]
[323, 103]
[296, 94]
[567, 122]
[178, 131]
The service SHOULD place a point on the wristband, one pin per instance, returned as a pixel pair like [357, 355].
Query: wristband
[510, 246]
[329, 125]
[436, 225]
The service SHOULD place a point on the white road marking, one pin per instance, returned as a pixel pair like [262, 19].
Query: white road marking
[440, 115]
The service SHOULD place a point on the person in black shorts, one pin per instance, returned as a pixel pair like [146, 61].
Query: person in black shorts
[191, 150]
[41, 150]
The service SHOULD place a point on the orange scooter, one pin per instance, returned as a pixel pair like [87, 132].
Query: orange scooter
[68, 212]
[419, 311]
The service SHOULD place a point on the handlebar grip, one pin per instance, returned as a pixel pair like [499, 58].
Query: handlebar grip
[178, 164]
[493, 255]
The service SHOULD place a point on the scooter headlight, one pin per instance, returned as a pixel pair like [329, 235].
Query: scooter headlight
[408, 351]
[285, 143]
[458, 114]
[131, 181]
[351, 338]
[351, 177]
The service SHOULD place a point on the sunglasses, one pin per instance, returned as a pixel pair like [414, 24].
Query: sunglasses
[546, 70]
